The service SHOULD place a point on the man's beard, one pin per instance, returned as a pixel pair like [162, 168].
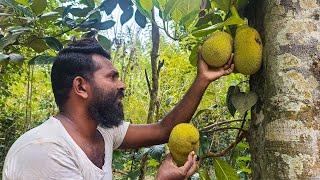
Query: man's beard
[105, 108]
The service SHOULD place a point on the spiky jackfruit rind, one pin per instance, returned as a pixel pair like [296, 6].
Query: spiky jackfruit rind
[183, 139]
[217, 49]
[247, 50]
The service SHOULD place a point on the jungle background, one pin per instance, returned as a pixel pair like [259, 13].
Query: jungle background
[154, 46]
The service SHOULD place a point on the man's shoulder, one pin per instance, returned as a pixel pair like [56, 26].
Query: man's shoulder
[48, 132]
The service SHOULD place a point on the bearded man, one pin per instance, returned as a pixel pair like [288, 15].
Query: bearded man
[78, 142]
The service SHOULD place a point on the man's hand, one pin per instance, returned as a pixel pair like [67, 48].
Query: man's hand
[169, 171]
[209, 74]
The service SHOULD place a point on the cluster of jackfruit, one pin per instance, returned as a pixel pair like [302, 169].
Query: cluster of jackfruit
[247, 46]
[184, 138]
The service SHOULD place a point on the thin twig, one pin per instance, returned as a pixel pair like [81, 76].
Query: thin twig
[222, 129]
[219, 124]
[167, 32]
[243, 122]
[225, 151]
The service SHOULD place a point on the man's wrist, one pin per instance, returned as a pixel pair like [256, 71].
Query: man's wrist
[202, 81]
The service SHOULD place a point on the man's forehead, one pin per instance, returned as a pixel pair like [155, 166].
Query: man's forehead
[103, 62]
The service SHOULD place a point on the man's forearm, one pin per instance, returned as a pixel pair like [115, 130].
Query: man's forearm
[185, 109]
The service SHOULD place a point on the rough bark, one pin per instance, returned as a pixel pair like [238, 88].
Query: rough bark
[284, 132]
[154, 67]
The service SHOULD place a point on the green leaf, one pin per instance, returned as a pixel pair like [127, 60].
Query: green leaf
[80, 12]
[189, 18]
[3, 58]
[24, 10]
[156, 151]
[18, 29]
[39, 45]
[242, 146]
[16, 58]
[210, 17]
[54, 43]
[244, 101]
[146, 4]
[141, 10]
[125, 4]
[38, 6]
[105, 42]
[108, 6]
[204, 144]
[162, 4]
[105, 25]
[133, 174]
[184, 8]
[41, 59]
[7, 40]
[23, 2]
[224, 5]
[152, 163]
[224, 171]
[194, 56]
[244, 158]
[141, 20]
[126, 15]
[91, 23]
[89, 3]
[204, 174]
[230, 21]
[50, 16]
[231, 108]
[170, 6]
[5, 14]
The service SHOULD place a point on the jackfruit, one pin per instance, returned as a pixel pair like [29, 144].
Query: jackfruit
[247, 50]
[217, 49]
[183, 139]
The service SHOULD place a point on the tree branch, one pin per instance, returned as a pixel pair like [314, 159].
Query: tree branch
[148, 81]
[225, 151]
[221, 129]
[243, 122]
[219, 124]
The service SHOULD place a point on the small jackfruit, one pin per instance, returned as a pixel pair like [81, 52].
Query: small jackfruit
[217, 49]
[247, 50]
[183, 139]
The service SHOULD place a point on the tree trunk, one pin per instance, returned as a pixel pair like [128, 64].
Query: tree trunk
[154, 66]
[284, 131]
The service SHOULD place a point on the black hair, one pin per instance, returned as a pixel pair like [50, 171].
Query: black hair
[74, 60]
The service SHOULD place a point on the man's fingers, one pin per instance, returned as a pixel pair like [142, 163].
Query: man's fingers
[187, 165]
[229, 70]
[194, 167]
[228, 64]
[168, 157]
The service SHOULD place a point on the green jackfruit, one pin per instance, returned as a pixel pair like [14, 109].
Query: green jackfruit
[217, 49]
[183, 139]
[247, 50]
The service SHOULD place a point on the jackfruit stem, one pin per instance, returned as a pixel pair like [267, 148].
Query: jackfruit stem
[234, 11]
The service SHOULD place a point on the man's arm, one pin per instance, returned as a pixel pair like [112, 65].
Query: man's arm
[158, 133]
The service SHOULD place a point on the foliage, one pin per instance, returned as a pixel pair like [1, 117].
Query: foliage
[32, 33]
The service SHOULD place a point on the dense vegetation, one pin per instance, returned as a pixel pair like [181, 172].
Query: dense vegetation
[31, 34]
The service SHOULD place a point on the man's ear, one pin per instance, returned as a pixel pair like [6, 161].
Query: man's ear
[80, 87]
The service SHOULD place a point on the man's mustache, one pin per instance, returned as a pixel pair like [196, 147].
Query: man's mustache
[121, 93]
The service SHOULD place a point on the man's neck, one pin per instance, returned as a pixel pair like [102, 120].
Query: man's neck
[79, 123]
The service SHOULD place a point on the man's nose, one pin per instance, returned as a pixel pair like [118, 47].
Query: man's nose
[122, 85]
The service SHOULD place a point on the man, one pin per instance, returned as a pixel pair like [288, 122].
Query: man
[78, 142]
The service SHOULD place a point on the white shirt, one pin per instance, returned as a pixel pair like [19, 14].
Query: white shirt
[49, 152]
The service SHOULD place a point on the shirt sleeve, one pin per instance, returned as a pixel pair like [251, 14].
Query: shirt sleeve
[46, 160]
[119, 133]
